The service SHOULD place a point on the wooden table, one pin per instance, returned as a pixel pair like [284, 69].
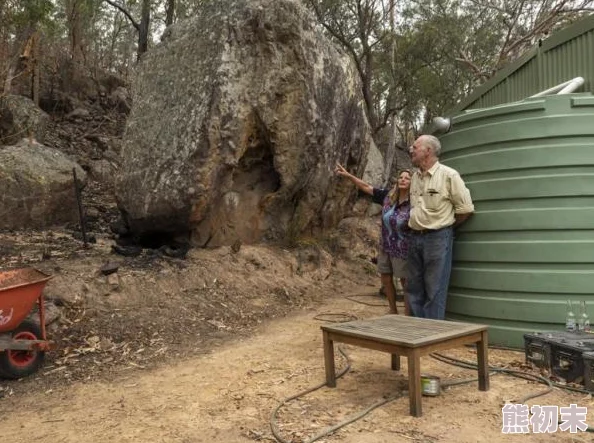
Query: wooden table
[411, 337]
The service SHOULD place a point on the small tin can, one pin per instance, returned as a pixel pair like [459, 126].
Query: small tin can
[430, 385]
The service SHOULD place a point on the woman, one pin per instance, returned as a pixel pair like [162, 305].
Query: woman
[393, 250]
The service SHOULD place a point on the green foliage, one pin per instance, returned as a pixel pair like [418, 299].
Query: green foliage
[27, 12]
[22, 16]
[188, 8]
[436, 51]
[416, 59]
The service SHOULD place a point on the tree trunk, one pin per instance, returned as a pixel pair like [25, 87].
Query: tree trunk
[74, 23]
[170, 12]
[391, 148]
[35, 70]
[143, 31]
[21, 64]
[365, 12]
[8, 79]
[112, 46]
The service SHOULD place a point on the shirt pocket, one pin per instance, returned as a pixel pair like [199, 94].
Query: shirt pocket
[433, 200]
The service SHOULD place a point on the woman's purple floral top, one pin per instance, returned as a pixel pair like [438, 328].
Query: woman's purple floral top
[395, 232]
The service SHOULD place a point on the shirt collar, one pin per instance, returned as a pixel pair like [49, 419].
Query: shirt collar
[433, 168]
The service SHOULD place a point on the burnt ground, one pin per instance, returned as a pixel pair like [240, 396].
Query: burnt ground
[154, 307]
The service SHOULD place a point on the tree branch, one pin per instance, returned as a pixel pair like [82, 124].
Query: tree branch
[516, 15]
[387, 114]
[169, 12]
[465, 60]
[544, 25]
[488, 5]
[340, 37]
[125, 12]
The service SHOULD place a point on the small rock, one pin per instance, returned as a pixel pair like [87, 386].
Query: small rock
[127, 251]
[177, 251]
[92, 213]
[109, 268]
[101, 142]
[90, 237]
[235, 247]
[61, 297]
[119, 227]
[113, 281]
[102, 171]
[52, 313]
[112, 157]
[93, 340]
[78, 113]
[106, 344]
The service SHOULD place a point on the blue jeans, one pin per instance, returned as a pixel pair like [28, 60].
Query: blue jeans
[429, 267]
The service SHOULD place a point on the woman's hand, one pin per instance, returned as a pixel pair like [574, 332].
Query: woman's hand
[367, 188]
[341, 171]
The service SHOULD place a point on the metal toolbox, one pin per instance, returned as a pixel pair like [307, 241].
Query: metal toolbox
[589, 370]
[567, 355]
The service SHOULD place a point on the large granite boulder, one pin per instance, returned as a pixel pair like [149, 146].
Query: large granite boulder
[37, 186]
[20, 118]
[239, 117]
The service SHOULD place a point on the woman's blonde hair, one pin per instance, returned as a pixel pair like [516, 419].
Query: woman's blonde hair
[394, 192]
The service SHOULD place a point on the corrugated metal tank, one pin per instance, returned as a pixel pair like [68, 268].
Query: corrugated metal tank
[530, 245]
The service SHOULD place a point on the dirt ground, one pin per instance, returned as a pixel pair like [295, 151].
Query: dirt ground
[205, 349]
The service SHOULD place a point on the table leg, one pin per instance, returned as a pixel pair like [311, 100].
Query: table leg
[414, 383]
[395, 362]
[482, 353]
[329, 361]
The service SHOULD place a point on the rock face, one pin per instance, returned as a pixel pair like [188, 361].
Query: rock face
[37, 187]
[20, 118]
[238, 119]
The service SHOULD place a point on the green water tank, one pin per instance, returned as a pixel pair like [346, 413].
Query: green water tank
[529, 247]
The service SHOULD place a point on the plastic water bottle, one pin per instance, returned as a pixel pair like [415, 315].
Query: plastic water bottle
[584, 319]
[570, 323]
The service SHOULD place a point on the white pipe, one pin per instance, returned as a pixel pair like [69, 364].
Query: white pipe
[563, 88]
[442, 124]
[573, 85]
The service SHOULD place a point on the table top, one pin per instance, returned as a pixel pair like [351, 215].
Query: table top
[405, 331]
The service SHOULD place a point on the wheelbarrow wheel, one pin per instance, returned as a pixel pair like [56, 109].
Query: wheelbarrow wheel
[17, 364]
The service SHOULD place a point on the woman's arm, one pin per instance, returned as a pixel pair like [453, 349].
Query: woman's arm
[365, 187]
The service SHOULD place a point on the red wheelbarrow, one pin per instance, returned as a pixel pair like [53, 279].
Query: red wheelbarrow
[22, 341]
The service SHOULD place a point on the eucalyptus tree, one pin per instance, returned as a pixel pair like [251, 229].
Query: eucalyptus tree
[142, 25]
[22, 24]
[462, 43]
[418, 58]
[360, 27]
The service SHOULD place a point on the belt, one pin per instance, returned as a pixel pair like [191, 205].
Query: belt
[427, 231]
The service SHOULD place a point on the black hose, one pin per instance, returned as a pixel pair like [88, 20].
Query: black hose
[506, 348]
[352, 419]
[440, 357]
[327, 431]
[274, 427]
[519, 374]
[524, 375]
[335, 317]
[351, 298]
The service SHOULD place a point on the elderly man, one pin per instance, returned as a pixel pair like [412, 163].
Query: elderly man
[439, 202]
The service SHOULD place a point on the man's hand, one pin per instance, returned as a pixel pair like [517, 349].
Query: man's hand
[461, 218]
